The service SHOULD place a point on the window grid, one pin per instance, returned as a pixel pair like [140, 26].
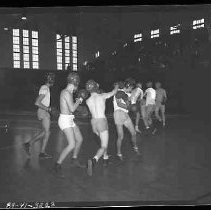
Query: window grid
[138, 37]
[155, 33]
[174, 29]
[16, 48]
[25, 49]
[59, 52]
[198, 24]
[67, 52]
[74, 53]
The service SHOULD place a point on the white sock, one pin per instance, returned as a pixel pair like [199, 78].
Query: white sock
[96, 158]
[105, 157]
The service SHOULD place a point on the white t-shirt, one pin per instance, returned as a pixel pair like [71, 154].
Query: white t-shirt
[135, 94]
[44, 90]
[151, 96]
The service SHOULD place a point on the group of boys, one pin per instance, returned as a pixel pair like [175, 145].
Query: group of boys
[126, 98]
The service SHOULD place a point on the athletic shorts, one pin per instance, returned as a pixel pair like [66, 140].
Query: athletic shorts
[121, 117]
[42, 114]
[66, 121]
[150, 108]
[159, 106]
[99, 124]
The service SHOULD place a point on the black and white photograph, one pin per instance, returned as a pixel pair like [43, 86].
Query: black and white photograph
[105, 106]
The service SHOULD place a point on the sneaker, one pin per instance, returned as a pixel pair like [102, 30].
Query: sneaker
[26, 147]
[58, 170]
[91, 164]
[137, 150]
[120, 157]
[154, 131]
[137, 130]
[44, 156]
[76, 163]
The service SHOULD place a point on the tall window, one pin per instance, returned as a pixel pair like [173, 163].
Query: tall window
[175, 29]
[198, 23]
[155, 33]
[97, 54]
[138, 37]
[74, 53]
[25, 49]
[65, 46]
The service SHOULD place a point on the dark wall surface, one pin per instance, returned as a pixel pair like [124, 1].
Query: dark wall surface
[187, 89]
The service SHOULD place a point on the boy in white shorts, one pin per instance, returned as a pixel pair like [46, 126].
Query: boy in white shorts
[66, 122]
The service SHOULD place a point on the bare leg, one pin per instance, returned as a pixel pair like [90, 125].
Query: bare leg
[157, 109]
[102, 151]
[37, 137]
[120, 133]
[46, 126]
[129, 125]
[78, 141]
[163, 115]
[144, 116]
[104, 145]
[69, 133]
[138, 116]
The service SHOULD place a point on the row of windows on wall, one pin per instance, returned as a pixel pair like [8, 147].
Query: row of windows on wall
[26, 50]
[173, 30]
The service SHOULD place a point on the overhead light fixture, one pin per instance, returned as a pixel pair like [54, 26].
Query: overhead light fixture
[6, 29]
[23, 17]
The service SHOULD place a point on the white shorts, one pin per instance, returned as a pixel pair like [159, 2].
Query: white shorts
[66, 121]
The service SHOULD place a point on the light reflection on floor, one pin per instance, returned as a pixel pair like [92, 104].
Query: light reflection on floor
[175, 165]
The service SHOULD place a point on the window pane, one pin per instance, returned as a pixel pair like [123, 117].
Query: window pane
[16, 40]
[67, 59]
[67, 39]
[34, 34]
[59, 44]
[26, 57]
[25, 41]
[16, 48]
[25, 33]
[25, 49]
[59, 59]
[74, 46]
[34, 50]
[16, 56]
[75, 66]
[35, 57]
[16, 64]
[59, 66]
[58, 36]
[67, 52]
[35, 65]
[74, 39]
[26, 65]
[34, 42]
[74, 53]
[74, 60]
[15, 32]
[67, 45]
